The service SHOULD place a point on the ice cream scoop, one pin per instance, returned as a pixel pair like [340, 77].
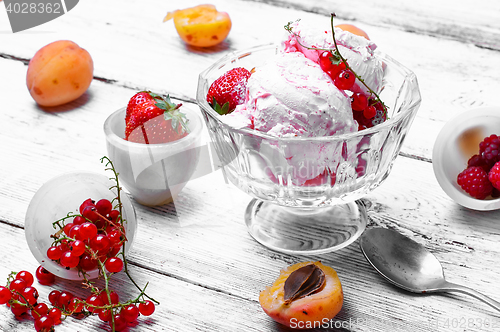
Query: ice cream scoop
[292, 96]
[312, 40]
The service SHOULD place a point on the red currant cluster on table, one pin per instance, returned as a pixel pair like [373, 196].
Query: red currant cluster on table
[92, 240]
[96, 234]
[22, 297]
[481, 178]
[367, 110]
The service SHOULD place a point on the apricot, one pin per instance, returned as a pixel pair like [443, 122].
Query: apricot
[311, 311]
[353, 29]
[201, 26]
[59, 72]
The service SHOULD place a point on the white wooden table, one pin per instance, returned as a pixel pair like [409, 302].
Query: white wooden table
[201, 263]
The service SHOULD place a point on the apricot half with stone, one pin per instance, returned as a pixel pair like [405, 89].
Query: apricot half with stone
[201, 26]
[305, 295]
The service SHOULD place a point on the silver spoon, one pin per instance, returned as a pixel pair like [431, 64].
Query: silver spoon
[408, 265]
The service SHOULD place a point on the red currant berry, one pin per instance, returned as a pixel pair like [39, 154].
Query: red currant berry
[44, 324]
[105, 315]
[39, 310]
[359, 102]
[54, 296]
[30, 294]
[104, 206]
[68, 259]
[64, 299]
[87, 263]
[90, 213]
[325, 61]
[370, 112]
[113, 215]
[113, 295]
[87, 202]
[146, 308]
[114, 265]
[26, 276]
[100, 242]
[92, 302]
[77, 247]
[88, 230]
[115, 237]
[18, 285]
[74, 232]
[55, 314]
[114, 251]
[75, 305]
[67, 228]
[5, 295]
[18, 309]
[130, 313]
[79, 220]
[120, 323]
[54, 253]
[344, 80]
[44, 277]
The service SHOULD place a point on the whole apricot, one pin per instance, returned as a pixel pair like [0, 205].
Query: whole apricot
[311, 311]
[201, 26]
[59, 72]
[353, 29]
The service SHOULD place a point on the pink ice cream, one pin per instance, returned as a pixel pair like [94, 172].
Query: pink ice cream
[358, 51]
[292, 96]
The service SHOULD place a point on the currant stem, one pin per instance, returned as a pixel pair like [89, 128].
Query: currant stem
[349, 67]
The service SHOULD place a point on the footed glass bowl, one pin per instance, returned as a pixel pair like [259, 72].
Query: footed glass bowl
[306, 190]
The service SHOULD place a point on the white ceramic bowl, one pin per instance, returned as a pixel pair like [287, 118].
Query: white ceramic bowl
[55, 199]
[457, 141]
[154, 173]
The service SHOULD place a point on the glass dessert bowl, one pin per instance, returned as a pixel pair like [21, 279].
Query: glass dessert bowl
[306, 191]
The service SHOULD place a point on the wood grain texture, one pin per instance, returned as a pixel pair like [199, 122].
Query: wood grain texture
[201, 263]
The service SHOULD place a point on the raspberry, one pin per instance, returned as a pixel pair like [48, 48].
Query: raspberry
[474, 181]
[477, 160]
[494, 175]
[489, 149]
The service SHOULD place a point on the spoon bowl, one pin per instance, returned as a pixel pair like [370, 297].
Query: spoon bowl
[409, 265]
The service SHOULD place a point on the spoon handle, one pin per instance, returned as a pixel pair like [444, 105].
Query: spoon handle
[463, 289]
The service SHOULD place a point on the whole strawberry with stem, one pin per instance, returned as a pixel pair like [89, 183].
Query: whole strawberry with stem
[154, 119]
[229, 90]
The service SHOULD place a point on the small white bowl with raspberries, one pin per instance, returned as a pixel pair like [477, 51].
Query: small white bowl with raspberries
[466, 158]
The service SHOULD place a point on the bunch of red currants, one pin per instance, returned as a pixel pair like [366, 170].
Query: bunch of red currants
[92, 240]
[96, 234]
[368, 111]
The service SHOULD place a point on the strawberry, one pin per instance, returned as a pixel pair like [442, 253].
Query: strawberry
[229, 90]
[152, 119]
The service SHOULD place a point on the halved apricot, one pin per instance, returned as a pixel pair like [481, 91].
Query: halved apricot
[353, 29]
[313, 310]
[201, 26]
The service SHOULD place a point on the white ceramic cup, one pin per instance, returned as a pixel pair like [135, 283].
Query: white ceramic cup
[154, 173]
[60, 196]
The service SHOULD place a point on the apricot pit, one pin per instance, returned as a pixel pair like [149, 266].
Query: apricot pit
[305, 295]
